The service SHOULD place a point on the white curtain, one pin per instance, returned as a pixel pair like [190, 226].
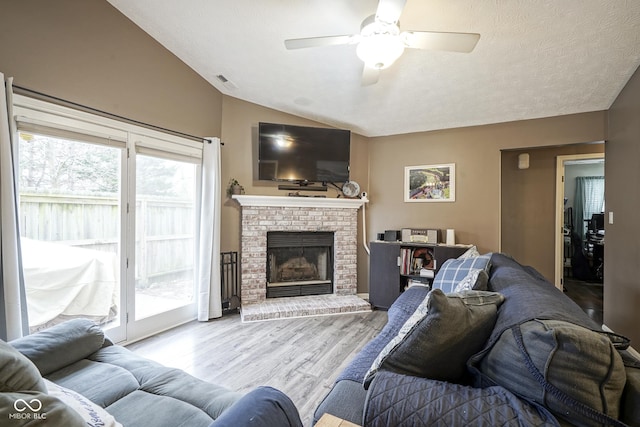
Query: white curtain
[208, 279]
[589, 199]
[13, 302]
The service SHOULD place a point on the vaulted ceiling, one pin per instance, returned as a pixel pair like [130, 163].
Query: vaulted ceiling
[534, 59]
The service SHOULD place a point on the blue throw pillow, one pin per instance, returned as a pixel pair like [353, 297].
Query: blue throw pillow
[455, 270]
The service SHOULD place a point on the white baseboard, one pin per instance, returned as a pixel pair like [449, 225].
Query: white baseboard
[363, 296]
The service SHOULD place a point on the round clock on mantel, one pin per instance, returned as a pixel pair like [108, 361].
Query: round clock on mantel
[351, 189]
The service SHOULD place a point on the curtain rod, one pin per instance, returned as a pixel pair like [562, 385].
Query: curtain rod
[64, 102]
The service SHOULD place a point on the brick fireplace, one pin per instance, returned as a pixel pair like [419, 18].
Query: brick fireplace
[264, 214]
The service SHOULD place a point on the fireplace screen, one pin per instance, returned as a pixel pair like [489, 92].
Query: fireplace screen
[299, 263]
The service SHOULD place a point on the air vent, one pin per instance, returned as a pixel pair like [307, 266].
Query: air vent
[226, 82]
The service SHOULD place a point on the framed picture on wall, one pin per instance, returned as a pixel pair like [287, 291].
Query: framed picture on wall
[430, 183]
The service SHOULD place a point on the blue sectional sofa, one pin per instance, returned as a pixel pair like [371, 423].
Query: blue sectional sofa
[542, 361]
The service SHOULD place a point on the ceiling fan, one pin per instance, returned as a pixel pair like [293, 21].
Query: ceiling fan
[381, 42]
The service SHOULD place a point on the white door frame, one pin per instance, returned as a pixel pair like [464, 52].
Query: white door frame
[559, 252]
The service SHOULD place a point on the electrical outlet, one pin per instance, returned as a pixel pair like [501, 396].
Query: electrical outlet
[610, 217]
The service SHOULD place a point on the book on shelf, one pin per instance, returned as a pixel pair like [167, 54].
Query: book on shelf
[414, 260]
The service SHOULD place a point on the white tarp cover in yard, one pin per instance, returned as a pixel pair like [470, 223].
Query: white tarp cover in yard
[63, 281]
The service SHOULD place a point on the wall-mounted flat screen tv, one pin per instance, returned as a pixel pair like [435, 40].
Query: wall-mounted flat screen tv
[302, 154]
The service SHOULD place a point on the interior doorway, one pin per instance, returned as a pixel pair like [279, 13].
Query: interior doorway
[528, 209]
[579, 217]
[580, 239]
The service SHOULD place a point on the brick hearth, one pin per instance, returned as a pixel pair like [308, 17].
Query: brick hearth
[261, 214]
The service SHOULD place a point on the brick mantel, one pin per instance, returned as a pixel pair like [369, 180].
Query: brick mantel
[261, 214]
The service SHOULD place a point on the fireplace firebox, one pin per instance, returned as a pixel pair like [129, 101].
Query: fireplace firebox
[299, 263]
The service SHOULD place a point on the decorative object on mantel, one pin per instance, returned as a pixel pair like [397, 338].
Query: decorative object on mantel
[351, 189]
[234, 187]
[430, 183]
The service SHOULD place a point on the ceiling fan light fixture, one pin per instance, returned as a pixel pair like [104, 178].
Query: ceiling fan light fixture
[380, 42]
[380, 50]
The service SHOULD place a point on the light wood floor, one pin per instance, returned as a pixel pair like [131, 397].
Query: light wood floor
[301, 357]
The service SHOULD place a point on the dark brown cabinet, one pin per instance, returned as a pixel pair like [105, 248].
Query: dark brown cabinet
[393, 265]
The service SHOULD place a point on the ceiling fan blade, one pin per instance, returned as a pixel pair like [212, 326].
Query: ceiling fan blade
[320, 41]
[370, 76]
[433, 40]
[389, 11]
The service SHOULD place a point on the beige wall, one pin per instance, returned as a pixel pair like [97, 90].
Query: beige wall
[87, 52]
[528, 204]
[475, 215]
[622, 250]
[239, 131]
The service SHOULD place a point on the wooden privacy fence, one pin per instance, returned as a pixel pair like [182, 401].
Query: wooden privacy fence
[164, 230]
[164, 235]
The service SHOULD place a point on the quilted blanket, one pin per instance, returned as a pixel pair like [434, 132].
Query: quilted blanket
[400, 400]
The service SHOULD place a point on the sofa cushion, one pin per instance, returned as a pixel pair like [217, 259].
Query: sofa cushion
[145, 409]
[17, 373]
[61, 345]
[400, 400]
[210, 398]
[157, 379]
[574, 361]
[102, 383]
[34, 408]
[114, 372]
[444, 331]
[92, 414]
[455, 270]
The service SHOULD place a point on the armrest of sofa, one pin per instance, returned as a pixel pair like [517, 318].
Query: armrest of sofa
[345, 400]
[262, 407]
[61, 345]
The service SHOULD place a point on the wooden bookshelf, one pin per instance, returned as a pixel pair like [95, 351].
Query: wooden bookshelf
[396, 265]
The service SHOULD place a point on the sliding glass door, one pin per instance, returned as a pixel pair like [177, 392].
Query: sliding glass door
[107, 220]
[165, 219]
[71, 230]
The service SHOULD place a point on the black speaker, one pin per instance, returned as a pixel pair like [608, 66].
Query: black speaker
[392, 235]
[380, 236]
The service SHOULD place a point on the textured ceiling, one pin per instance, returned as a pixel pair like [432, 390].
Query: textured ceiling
[534, 59]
